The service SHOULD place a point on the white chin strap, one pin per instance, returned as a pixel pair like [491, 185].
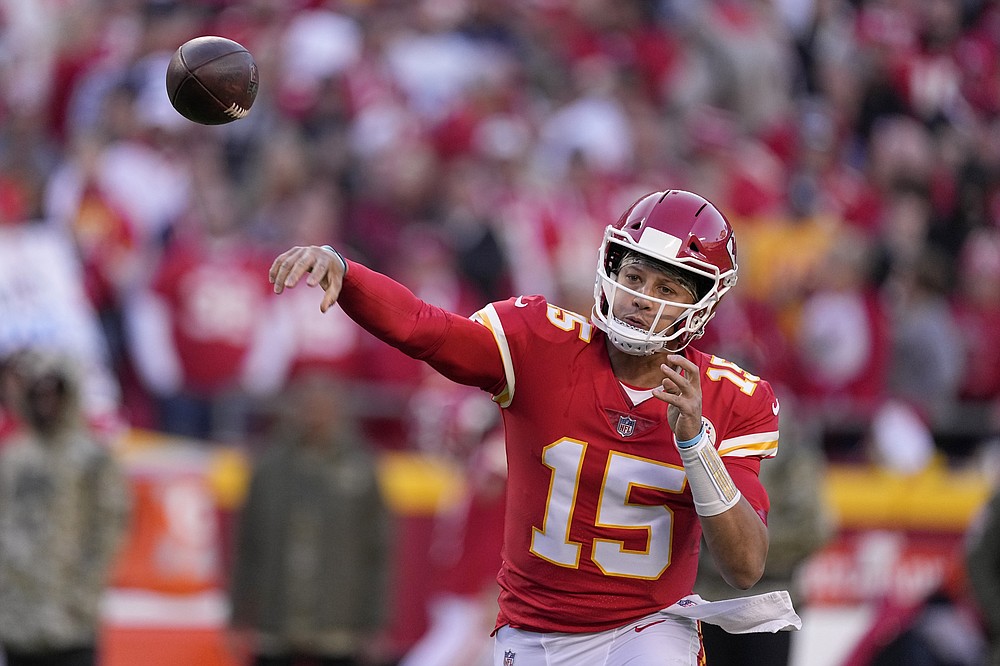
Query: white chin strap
[631, 344]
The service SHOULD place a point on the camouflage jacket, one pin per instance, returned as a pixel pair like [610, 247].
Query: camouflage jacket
[63, 512]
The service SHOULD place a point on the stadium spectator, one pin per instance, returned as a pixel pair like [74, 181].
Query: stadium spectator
[310, 573]
[64, 506]
[926, 366]
[192, 330]
[982, 562]
[841, 337]
[976, 302]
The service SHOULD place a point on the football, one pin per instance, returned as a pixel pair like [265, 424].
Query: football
[212, 80]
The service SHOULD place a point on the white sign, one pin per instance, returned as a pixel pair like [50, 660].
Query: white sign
[43, 305]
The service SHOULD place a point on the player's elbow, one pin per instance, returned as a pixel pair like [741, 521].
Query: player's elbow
[738, 542]
[745, 571]
[743, 567]
[744, 578]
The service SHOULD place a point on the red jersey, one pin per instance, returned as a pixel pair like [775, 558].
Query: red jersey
[214, 318]
[600, 526]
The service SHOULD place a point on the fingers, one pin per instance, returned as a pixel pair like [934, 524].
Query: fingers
[330, 296]
[324, 268]
[680, 386]
[281, 273]
[319, 268]
[289, 267]
[674, 380]
[684, 367]
[666, 396]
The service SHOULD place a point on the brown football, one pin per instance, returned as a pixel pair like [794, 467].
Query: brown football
[212, 80]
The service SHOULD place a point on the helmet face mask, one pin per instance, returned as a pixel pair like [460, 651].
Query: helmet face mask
[680, 233]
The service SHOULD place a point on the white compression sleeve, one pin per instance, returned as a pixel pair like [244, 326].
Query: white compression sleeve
[711, 486]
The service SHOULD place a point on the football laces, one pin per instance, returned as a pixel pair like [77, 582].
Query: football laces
[235, 111]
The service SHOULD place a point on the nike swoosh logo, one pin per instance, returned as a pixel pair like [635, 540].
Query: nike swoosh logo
[775, 407]
[647, 626]
[519, 303]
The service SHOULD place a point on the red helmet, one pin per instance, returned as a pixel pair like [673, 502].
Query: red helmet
[678, 231]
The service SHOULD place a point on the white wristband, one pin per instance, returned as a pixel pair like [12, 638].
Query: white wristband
[339, 256]
[711, 486]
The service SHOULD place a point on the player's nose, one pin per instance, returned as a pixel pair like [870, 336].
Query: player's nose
[641, 299]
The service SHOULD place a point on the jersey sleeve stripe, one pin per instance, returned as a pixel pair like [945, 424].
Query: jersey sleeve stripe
[489, 318]
[763, 444]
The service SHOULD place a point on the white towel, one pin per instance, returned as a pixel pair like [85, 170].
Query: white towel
[768, 612]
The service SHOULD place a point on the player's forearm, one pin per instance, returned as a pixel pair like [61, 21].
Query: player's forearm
[458, 348]
[735, 534]
[390, 311]
[737, 540]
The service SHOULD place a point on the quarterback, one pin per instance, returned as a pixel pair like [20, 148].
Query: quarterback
[625, 444]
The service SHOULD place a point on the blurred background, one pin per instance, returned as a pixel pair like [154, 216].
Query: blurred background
[476, 150]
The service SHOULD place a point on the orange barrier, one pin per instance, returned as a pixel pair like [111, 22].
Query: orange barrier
[151, 646]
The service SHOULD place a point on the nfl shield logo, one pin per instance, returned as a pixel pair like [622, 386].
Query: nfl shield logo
[508, 658]
[626, 426]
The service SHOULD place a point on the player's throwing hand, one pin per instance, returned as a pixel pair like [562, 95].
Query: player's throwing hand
[325, 266]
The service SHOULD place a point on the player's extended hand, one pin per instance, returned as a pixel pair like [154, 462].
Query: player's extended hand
[324, 267]
[681, 390]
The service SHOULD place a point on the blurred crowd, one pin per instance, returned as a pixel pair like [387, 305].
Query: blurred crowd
[476, 150]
